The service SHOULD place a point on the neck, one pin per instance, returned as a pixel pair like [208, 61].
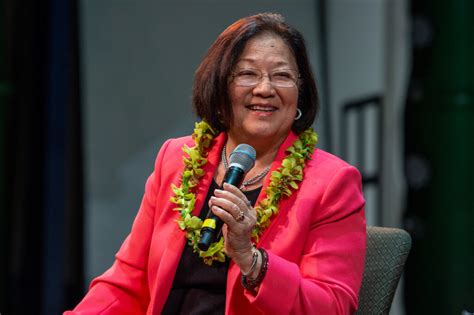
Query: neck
[266, 148]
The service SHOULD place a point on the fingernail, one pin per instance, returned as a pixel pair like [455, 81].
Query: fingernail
[218, 191]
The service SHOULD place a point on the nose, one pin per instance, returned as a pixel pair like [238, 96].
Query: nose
[264, 88]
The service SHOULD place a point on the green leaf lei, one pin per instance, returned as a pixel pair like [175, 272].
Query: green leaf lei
[283, 182]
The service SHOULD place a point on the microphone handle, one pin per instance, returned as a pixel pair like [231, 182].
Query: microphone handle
[211, 229]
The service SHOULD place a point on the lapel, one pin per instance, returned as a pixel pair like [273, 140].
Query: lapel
[213, 160]
[174, 248]
[233, 275]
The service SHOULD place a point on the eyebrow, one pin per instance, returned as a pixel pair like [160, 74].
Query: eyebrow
[278, 63]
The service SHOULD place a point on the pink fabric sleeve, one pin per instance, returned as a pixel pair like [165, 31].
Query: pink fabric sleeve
[123, 289]
[329, 275]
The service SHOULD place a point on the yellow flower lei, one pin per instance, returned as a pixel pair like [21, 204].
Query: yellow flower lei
[282, 182]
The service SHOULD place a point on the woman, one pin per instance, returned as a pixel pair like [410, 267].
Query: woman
[294, 233]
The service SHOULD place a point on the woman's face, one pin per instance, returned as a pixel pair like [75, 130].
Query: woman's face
[264, 111]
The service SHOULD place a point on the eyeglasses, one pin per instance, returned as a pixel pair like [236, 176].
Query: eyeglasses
[284, 78]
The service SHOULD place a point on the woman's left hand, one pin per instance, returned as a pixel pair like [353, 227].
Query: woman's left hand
[234, 209]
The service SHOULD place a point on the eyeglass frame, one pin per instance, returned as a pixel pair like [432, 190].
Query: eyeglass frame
[269, 75]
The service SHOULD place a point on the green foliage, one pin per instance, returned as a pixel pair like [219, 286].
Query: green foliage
[284, 179]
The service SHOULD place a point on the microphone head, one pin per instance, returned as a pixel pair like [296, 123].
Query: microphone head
[243, 156]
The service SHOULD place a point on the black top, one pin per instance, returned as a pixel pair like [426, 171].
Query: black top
[199, 288]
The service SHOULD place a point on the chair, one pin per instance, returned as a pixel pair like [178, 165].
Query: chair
[387, 251]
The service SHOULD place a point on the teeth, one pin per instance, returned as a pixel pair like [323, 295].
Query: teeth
[261, 108]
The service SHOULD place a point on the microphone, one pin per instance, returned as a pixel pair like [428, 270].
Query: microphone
[242, 159]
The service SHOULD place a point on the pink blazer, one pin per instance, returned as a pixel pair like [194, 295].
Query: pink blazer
[316, 244]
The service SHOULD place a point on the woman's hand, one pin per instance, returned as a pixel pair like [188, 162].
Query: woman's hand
[234, 209]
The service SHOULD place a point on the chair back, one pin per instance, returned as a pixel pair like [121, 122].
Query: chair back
[387, 251]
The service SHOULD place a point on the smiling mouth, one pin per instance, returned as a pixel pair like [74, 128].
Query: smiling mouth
[259, 108]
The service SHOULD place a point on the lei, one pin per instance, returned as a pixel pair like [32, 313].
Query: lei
[282, 183]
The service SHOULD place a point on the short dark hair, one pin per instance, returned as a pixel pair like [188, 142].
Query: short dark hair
[211, 98]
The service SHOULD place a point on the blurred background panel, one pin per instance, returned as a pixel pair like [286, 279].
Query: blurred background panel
[439, 159]
[41, 155]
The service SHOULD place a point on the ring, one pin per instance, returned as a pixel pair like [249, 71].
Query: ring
[248, 203]
[240, 217]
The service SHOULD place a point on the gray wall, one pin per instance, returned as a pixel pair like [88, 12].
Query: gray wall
[369, 53]
[138, 60]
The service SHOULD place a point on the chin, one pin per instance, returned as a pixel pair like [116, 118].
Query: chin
[262, 132]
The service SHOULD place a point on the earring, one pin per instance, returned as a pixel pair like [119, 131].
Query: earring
[298, 114]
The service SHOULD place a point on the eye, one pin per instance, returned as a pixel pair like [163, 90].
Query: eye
[283, 75]
[247, 73]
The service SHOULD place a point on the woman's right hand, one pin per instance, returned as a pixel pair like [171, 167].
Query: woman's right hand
[234, 209]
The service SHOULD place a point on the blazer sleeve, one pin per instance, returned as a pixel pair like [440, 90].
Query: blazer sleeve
[123, 289]
[328, 277]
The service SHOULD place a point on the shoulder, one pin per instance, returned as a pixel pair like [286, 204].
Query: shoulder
[171, 152]
[173, 145]
[326, 165]
[334, 184]
[328, 175]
